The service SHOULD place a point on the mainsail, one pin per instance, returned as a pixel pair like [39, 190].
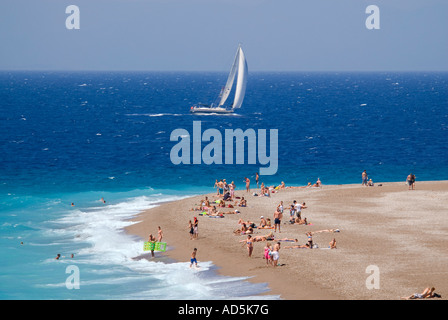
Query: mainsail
[240, 65]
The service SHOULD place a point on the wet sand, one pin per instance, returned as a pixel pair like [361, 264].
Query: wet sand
[401, 234]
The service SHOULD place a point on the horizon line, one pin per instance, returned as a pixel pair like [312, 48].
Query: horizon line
[221, 71]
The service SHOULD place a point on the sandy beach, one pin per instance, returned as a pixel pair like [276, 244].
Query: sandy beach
[398, 233]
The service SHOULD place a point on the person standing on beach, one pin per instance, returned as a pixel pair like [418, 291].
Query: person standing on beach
[159, 234]
[280, 206]
[217, 187]
[193, 258]
[232, 191]
[220, 188]
[195, 229]
[247, 184]
[191, 229]
[298, 207]
[275, 254]
[257, 177]
[226, 186]
[152, 239]
[277, 220]
[411, 181]
[268, 254]
[364, 178]
[250, 245]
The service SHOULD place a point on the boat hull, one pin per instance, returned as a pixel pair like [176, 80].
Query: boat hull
[210, 110]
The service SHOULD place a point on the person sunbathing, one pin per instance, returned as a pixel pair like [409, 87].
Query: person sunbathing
[269, 237]
[199, 208]
[326, 230]
[228, 212]
[427, 293]
[301, 187]
[288, 240]
[266, 227]
[303, 246]
[244, 230]
[300, 221]
[318, 183]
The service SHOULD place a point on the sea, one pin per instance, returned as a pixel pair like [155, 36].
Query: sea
[79, 137]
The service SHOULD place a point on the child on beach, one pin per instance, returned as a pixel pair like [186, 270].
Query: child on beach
[275, 254]
[267, 254]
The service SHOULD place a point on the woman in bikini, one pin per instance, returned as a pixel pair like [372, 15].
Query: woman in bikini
[310, 240]
[250, 245]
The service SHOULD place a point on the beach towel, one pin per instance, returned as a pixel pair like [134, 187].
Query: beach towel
[154, 246]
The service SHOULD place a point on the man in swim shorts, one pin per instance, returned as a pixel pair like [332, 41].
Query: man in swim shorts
[364, 178]
[193, 258]
[277, 220]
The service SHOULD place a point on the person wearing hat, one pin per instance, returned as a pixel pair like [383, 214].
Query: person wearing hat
[262, 222]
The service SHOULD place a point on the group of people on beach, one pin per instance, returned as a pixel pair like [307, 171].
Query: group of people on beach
[271, 252]
[193, 228]
[225, 193]
[225, 190]
[152, 238]
[410, 180]
[365, 180]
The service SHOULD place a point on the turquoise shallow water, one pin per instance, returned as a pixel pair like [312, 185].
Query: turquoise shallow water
[78, 137]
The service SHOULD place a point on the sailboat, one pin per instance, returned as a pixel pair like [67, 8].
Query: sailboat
[240, 66]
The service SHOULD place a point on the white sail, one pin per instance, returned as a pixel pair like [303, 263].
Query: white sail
[240, 65]
[241, 82]
[230, 79]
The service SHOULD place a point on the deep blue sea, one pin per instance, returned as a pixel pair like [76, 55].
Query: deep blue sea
[78, 137]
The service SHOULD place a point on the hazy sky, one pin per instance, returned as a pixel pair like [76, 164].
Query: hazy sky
[178, 35]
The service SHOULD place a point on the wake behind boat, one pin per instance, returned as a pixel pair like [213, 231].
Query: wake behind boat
[240, 66]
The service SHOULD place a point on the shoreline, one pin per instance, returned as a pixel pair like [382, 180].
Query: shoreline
[373, 227]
